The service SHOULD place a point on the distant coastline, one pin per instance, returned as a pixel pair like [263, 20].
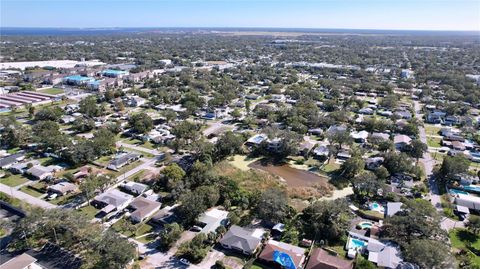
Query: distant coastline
[21, 31]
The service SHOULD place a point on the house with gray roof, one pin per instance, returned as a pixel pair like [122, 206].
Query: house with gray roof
[122, 160]
[115, 199]
[40, 172]
[10, 160]
[144, 208]
[63, 188]
[243, 240]
[392, 208]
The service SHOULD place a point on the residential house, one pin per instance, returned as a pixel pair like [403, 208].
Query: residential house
[210, 220]
[7, 161]
[366, 111]
[122, 160]
[384, 255]
[393, 208]
[165, 216]
[40, 172]
[256, 140]
[451, 120]
[321, 151]
[469, 201]
[359, 137]
[112, 200]
[134, 187]
[134, 101]
[403, 114]
[435, 117]
[401, 142]
[23, 261]
[321, 259]
[143, 209]
[280, 254]
[373, 163]
[63, 188]
[243, 240]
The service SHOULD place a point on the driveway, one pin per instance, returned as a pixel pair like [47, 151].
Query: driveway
[156, 259]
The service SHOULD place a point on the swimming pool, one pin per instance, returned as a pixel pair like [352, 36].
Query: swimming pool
[455, 191]
[376, 207]
[356, 244]
[474, 188]
[365, 225]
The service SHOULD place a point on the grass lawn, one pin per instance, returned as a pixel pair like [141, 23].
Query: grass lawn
[63, 199]
[141, 229]
[31, 191]
[89, 211]
[241, 162]
[431, 129]
[434, 142]
[461, 238]
[14, 180]
[137, 176]
[53, 91]
[13, 150]
[330, 167]
[127, 168]
[339, 249]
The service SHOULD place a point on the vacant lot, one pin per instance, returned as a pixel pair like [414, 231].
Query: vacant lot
[463, 239]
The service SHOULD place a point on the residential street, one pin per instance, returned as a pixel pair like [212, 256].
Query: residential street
[428, 163]
[25, 197]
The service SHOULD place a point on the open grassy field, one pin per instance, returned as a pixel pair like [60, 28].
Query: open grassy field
[241, 162]
[53, 91]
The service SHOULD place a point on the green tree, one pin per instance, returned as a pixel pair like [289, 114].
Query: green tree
[171, 175]
[88, 107]
[169, 235]
[141, 123]
[273, 205]
[417, 148]
[326, 220]
[429, 254]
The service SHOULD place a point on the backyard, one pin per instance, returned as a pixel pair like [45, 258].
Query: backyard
[463, 239]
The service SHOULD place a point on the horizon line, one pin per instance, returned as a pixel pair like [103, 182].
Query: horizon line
[234, 27]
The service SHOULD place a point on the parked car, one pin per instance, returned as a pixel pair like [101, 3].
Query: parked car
[184, 262]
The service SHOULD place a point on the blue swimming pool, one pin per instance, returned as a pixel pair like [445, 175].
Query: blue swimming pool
[474, 188]
[376, 207]
[356, 244]
[455, 191]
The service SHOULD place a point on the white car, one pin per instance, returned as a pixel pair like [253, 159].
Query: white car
[52, 196]
[184, 262]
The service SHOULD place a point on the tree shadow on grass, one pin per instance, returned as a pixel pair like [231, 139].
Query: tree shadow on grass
[466, 236]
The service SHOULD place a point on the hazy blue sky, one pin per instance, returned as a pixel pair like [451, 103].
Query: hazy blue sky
[358, 14]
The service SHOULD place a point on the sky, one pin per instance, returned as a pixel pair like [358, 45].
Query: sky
[336, 14]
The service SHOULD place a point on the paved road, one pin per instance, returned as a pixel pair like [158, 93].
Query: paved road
[214, 127]
[25, 197]
[428, 162]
